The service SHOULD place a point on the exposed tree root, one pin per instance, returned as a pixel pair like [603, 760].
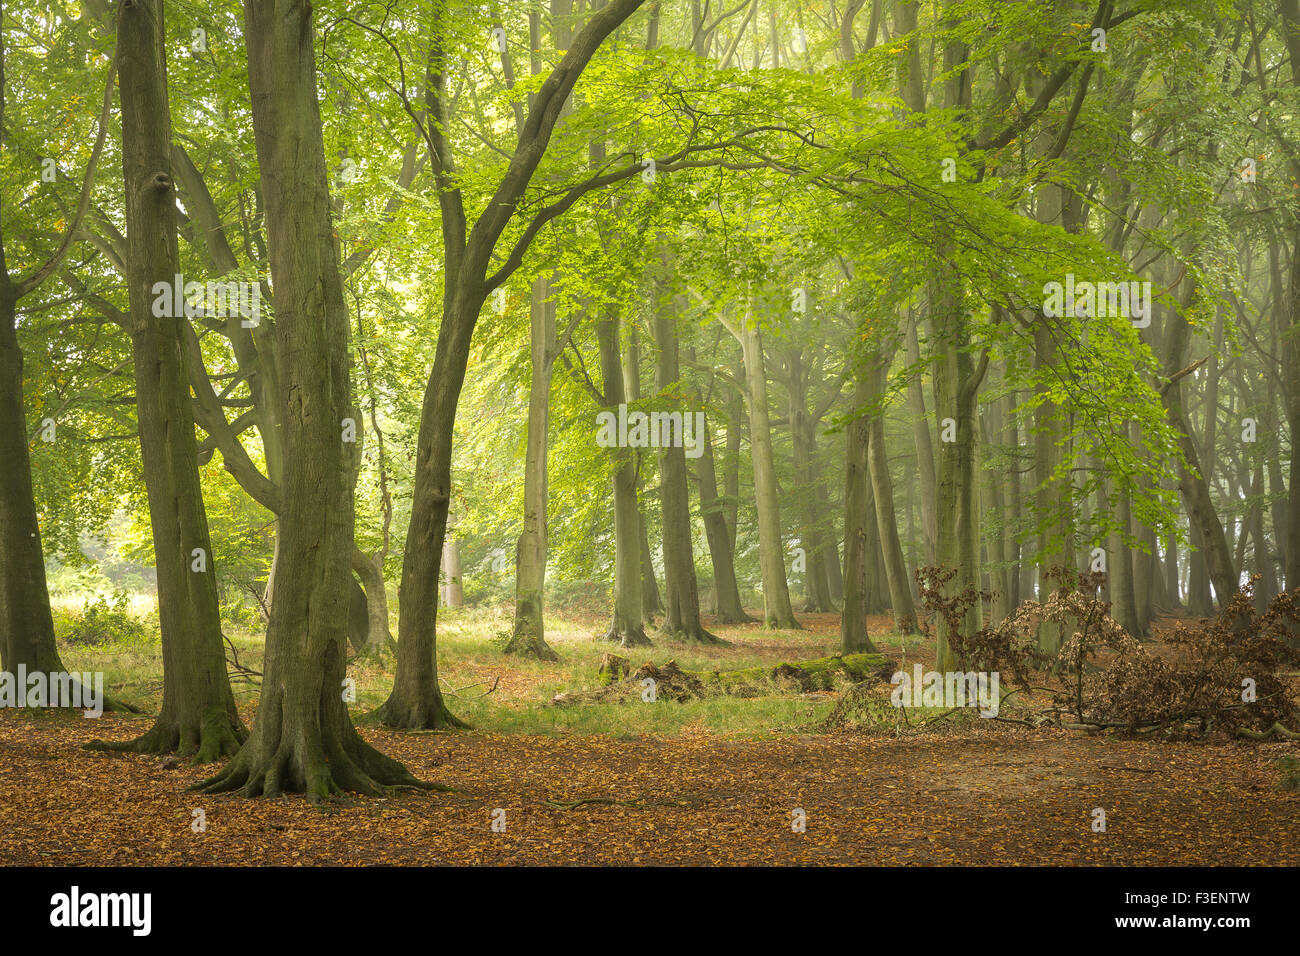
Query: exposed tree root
[698, 636]
[216, 736]
[319, 767]
[420, 714]
[1278, 729]
[628, 637]
[526, 642]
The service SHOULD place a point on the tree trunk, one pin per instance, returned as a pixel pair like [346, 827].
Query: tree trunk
[803, 441]
[303, 739]
[371, 572]
[857, 516]
[627, 628]
[777, 611]
[1191, 480]
[453, 588]
[198, 715]
[921, 436]
[26, 627]
[529, 636]
[729, 608]
[882, 487]
[731, 460]
[956, 386]
[681, 590]
[651, 600]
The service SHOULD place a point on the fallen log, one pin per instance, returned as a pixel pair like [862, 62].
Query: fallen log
[669, 682]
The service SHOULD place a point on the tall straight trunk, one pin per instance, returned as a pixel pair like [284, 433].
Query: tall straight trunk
[303, 739]
[627, 627]
[712, 513]
[882, 487]
[803, 439]
[1192, 484]
[857, 517]
[731, 459]
[198, 715]
[777, 611]
[956, 386]
[922, 439]
[681, 590]
[877, 582]
[1002, 570]
[529, 636]
[830, 550]
[1267, 588]
[651, 600]
[1171, 572]
[1119, 568]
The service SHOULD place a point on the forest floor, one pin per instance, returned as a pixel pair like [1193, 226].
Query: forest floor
[715, 781]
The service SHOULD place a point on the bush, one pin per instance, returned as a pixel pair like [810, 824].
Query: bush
[101, 623]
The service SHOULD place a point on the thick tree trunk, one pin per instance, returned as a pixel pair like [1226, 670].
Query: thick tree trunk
[1191, 479]
[198, 716]
[371, 572]
[882, 487]
[681, 590]
[803, 441]
[628, 625]
[777, 611]
[528, 638]
[303, 738]
[924, 445]
[956, 387]
[729, 608]
[857, 517]
[651, 600]
[26, 627]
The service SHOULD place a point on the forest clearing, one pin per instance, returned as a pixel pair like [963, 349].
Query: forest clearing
[707, 782]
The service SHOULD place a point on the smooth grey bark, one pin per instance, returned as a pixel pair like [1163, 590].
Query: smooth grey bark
[198, 718]
[627, 628]
[803, 440]
[528, 639]
[303, 739]
[858, 516]
[882, 488]
[777, 610]
[651, 600]
[729, 609]
[681, 590]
